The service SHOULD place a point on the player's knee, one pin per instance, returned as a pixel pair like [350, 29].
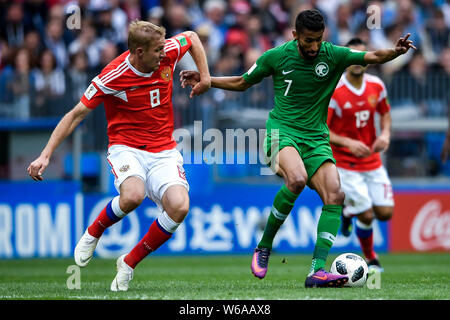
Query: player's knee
[366, 217]
[131, 200]
[385, 215]
[178, 208]
[296, 183]
[336, 197]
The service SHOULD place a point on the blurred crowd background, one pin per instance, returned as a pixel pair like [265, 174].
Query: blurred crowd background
[45, 65]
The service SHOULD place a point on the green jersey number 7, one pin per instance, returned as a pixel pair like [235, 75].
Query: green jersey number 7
[289, 82]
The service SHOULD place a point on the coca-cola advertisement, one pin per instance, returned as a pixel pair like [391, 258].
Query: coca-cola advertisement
[421, 222]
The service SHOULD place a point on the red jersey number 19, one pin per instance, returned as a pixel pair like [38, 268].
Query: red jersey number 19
[361, 118]
[154, 98]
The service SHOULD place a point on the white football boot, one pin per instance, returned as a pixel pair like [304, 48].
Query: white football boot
[123, 277]
[85, 249]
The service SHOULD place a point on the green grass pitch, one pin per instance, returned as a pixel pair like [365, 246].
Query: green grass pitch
[222, 277]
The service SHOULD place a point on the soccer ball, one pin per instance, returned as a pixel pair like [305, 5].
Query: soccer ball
[353, 266]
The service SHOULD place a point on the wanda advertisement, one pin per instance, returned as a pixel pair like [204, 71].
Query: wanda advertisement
[421, 221]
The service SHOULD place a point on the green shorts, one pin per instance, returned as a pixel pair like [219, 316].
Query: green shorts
[314, 152]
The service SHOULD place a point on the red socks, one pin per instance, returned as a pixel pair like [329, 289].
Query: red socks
[365, 236]
[105, 219]
[153, 239]
[367, 247]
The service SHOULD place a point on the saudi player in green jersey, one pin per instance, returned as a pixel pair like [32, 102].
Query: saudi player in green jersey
[305, 72]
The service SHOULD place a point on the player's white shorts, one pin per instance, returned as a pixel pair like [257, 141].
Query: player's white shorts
[366, 189]
[158, 170]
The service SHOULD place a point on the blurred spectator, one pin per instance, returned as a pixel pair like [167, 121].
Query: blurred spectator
[53, 40]
[108, 53]
[20, 85]
[49, 86]
[215, 14]
[155, 15]
[446, 10]
[13, 28]
[341, 32]
[88, 42]
[77, 76]
[444, 60]
[407, 16]
[438, 32]
[132, 9]
[194, 12]
[5, 53]
[257, 39]
[107, 29]
[34, 46]
[176, 20]
[36, 14]
[237, 34]
[269, 22]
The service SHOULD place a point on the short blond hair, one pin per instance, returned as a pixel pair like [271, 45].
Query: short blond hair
[142, 33]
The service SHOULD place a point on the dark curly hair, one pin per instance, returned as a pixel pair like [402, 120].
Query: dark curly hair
[309, 19]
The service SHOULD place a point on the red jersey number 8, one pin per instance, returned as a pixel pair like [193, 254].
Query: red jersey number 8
[154, 98]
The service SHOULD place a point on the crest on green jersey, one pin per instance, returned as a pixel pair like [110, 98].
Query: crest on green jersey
[321, 69]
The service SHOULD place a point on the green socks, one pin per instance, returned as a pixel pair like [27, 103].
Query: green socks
[282, 206]
[327, 229]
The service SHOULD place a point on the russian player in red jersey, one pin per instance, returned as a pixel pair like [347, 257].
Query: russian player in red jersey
[356, 148]
[136, 89]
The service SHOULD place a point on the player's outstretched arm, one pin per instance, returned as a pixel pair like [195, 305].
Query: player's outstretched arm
[384, 55]
[64, 128]
[232, 83]
[198, 54]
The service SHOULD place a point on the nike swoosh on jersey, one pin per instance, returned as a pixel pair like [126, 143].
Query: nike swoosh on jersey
[286, 72]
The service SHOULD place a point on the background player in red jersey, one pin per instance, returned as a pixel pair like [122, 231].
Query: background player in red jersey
[356, 148]
[136, 89]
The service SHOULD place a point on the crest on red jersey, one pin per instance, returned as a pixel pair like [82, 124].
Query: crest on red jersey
[372, 99]
[166, 73]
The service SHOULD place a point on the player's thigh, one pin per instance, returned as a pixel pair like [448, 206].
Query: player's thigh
[165, 170]
[380, 188]
[126, 162]
[357, 197]
[291, 166]
[282, 154]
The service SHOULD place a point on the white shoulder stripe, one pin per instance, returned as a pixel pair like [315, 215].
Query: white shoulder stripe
[117, 69]
[177, 45]
[377, 80]
[116, 75]
[120, 94]
[335, 106]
